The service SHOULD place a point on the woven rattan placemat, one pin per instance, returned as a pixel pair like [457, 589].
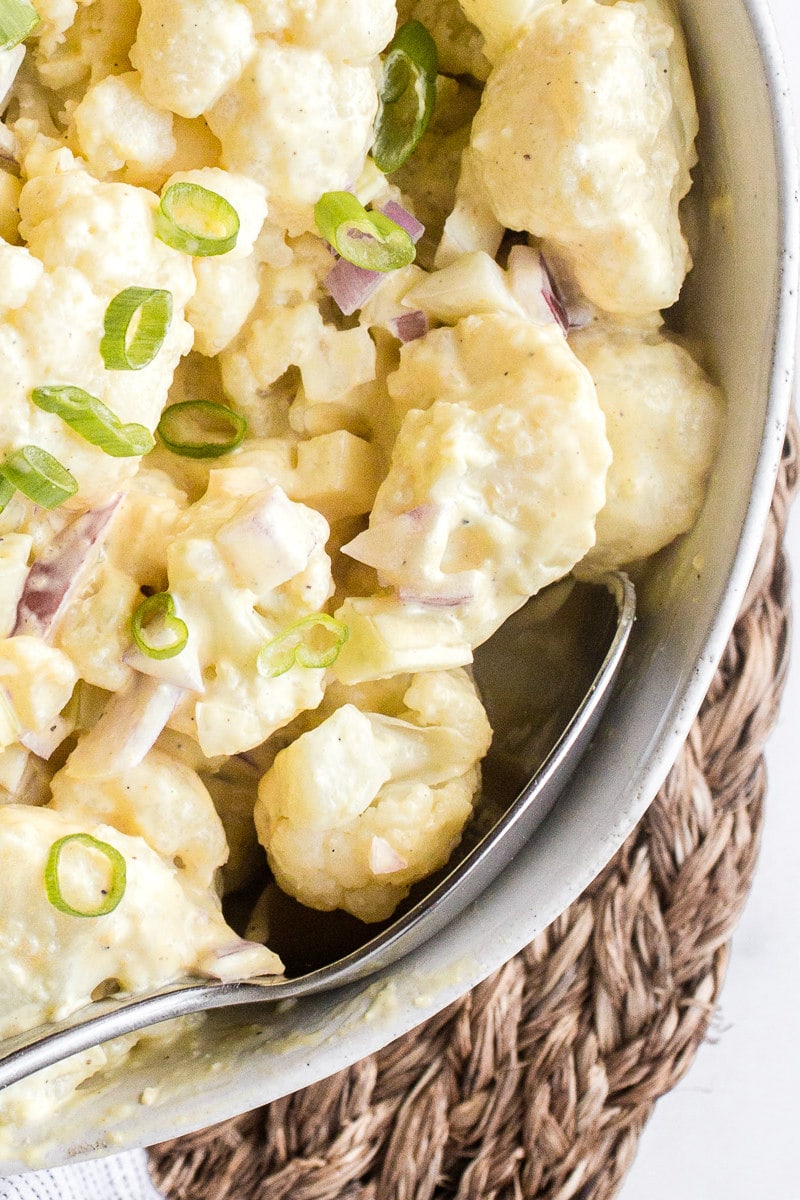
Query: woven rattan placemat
[538, 1083]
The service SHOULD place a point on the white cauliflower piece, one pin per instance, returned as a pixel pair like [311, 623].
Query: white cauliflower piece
[223, 300]
[162, 801]
[389, 637]
[497, 474]
[116, 127]
[245, 195]
[286, 345]
[95, 630]
[93, 239]
[663, 419]
[585, 139]
[189, 52]
[159, 931]
[37, 679]
[471, 225]
[352, 31]
[500, 21]
[297, 123]
[55, 18]
[245, 565]
[336, 473]
[355, 811]
[227, 285]
[84, 41]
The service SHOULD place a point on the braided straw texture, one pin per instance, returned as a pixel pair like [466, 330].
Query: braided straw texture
[538, 1083]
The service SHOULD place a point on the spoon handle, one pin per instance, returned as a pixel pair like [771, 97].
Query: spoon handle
[46, 1045]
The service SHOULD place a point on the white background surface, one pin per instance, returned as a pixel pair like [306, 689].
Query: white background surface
[730, 1130]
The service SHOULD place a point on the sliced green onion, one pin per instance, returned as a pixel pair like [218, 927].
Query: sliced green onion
[197, 221]
[6, 492]
[201, 429]
[408, 96]
[368, 239]
[299, 645]
[17, 20]
[156, 630]
[149, 312]
[90, 418]
[111, 897]
[39, 476]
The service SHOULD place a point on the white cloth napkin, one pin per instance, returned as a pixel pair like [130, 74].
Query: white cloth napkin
[119, 1177]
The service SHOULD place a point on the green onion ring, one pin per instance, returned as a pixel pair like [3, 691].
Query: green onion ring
[289, 648]
[408, 96]
[368, 239]
[96, 423]
[17, 20]
[197, 221]
[122, 352]
[159, 609]
[39, 476]
[118, 876]
[201, 429]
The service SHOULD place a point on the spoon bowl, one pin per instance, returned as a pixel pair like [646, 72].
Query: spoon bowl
[572, 639]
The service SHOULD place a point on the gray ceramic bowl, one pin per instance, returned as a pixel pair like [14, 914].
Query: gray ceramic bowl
[741, 299]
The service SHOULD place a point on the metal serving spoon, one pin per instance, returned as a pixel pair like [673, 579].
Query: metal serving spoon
[570, 639]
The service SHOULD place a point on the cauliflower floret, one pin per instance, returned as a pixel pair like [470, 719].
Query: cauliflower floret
[87, 41]
[227, 285]
[333, 366]
[355, 811]
[579, 143]
[38, 680]
[663, 418]
[299, 124]
[189, 52]
[159, 931]
[500, 21]
[94, 239]
[497, 474]
[336, 473]
[95, 630]
[116, 127]
[224, 298]
[160, 800]
[352, 31]
[245, 195]
[245, 565]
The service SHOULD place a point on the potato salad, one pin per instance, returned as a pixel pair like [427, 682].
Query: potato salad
[330, 332]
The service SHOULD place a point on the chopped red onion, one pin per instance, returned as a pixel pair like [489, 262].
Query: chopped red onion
[406, 220]
[55, 577]
[45, 742]
[409, 326]
[183, 670]
[532, 287]
[451, 600]
[240, 960]
[383, 858]
[552, 297]
[127, 730]
[268, 542]
[351, 286]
